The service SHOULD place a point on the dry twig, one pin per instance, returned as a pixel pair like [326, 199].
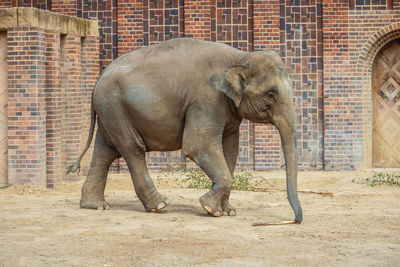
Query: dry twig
[277, 223]
[265, 189]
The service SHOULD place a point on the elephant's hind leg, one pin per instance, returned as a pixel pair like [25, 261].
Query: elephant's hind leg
[132, 147]
[145, 189]
[95, 183]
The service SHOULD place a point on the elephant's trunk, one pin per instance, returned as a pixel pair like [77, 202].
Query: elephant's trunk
[287, 130]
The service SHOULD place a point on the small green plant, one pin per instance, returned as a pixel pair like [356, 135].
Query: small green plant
[197, 179]
[240, 180]
[379, 178]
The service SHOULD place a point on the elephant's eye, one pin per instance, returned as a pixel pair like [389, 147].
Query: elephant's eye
[271, 96]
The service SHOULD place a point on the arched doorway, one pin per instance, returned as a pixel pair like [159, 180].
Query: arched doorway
[386, 107]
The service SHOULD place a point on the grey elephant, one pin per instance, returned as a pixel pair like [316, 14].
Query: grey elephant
[191, 95]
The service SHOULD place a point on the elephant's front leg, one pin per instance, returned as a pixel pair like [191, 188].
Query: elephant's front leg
[205, 148]
[230, 145]
[216, 201]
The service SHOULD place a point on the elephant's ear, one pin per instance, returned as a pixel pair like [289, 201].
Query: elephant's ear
[233, 84]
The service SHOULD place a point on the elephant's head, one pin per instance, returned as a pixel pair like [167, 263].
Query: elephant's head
[261, 89]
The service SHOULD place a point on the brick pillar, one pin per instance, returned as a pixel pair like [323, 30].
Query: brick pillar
[245, 160]
[266, 24]
[106, 13]
[68, 7]
[300, 23]
[337, 141]
[26, 105]
[130, 25]
[90, 73]
[267, 144]
[43, 4]
[198, 19]
[342, 93]
[5, 3]
[162, 20]
[53, 106]
[71, 101]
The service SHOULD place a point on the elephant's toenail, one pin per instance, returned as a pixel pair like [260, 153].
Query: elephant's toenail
[217, 214]
[208, 209]
[161, 206]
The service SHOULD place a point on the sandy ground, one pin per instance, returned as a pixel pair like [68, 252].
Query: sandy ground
[358, 226]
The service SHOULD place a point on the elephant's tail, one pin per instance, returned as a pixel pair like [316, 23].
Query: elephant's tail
[77, 164]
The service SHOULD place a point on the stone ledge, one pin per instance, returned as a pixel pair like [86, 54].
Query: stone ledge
[34, 17]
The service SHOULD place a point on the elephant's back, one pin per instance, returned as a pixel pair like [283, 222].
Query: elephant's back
[174, 50]
[174, 66]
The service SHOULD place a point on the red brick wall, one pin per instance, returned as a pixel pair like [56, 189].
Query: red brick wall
[320, 41]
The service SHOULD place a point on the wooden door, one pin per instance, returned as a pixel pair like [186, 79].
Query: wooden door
[386, 107]
[3, 111]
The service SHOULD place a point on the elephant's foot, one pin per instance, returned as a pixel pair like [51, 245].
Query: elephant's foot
[216, 205]
[227, 207]
[155, 203]
[94, 204]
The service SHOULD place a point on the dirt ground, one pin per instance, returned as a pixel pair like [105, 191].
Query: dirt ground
[358, 226]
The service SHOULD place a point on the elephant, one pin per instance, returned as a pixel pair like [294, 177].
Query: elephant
[192, 95]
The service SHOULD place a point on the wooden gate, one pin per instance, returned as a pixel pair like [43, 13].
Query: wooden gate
[3, 111]
[386, 107]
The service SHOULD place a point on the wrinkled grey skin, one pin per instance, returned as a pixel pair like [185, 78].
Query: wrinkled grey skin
[191, 95]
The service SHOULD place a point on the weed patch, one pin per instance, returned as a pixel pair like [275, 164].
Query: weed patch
[198, 180]
[379, 178]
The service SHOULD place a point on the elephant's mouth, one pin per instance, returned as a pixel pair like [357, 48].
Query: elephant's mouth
[264, 120]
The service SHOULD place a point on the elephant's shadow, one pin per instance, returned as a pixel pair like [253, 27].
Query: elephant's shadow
[136, 206]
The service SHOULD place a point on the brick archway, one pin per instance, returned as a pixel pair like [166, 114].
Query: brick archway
[365, 64]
